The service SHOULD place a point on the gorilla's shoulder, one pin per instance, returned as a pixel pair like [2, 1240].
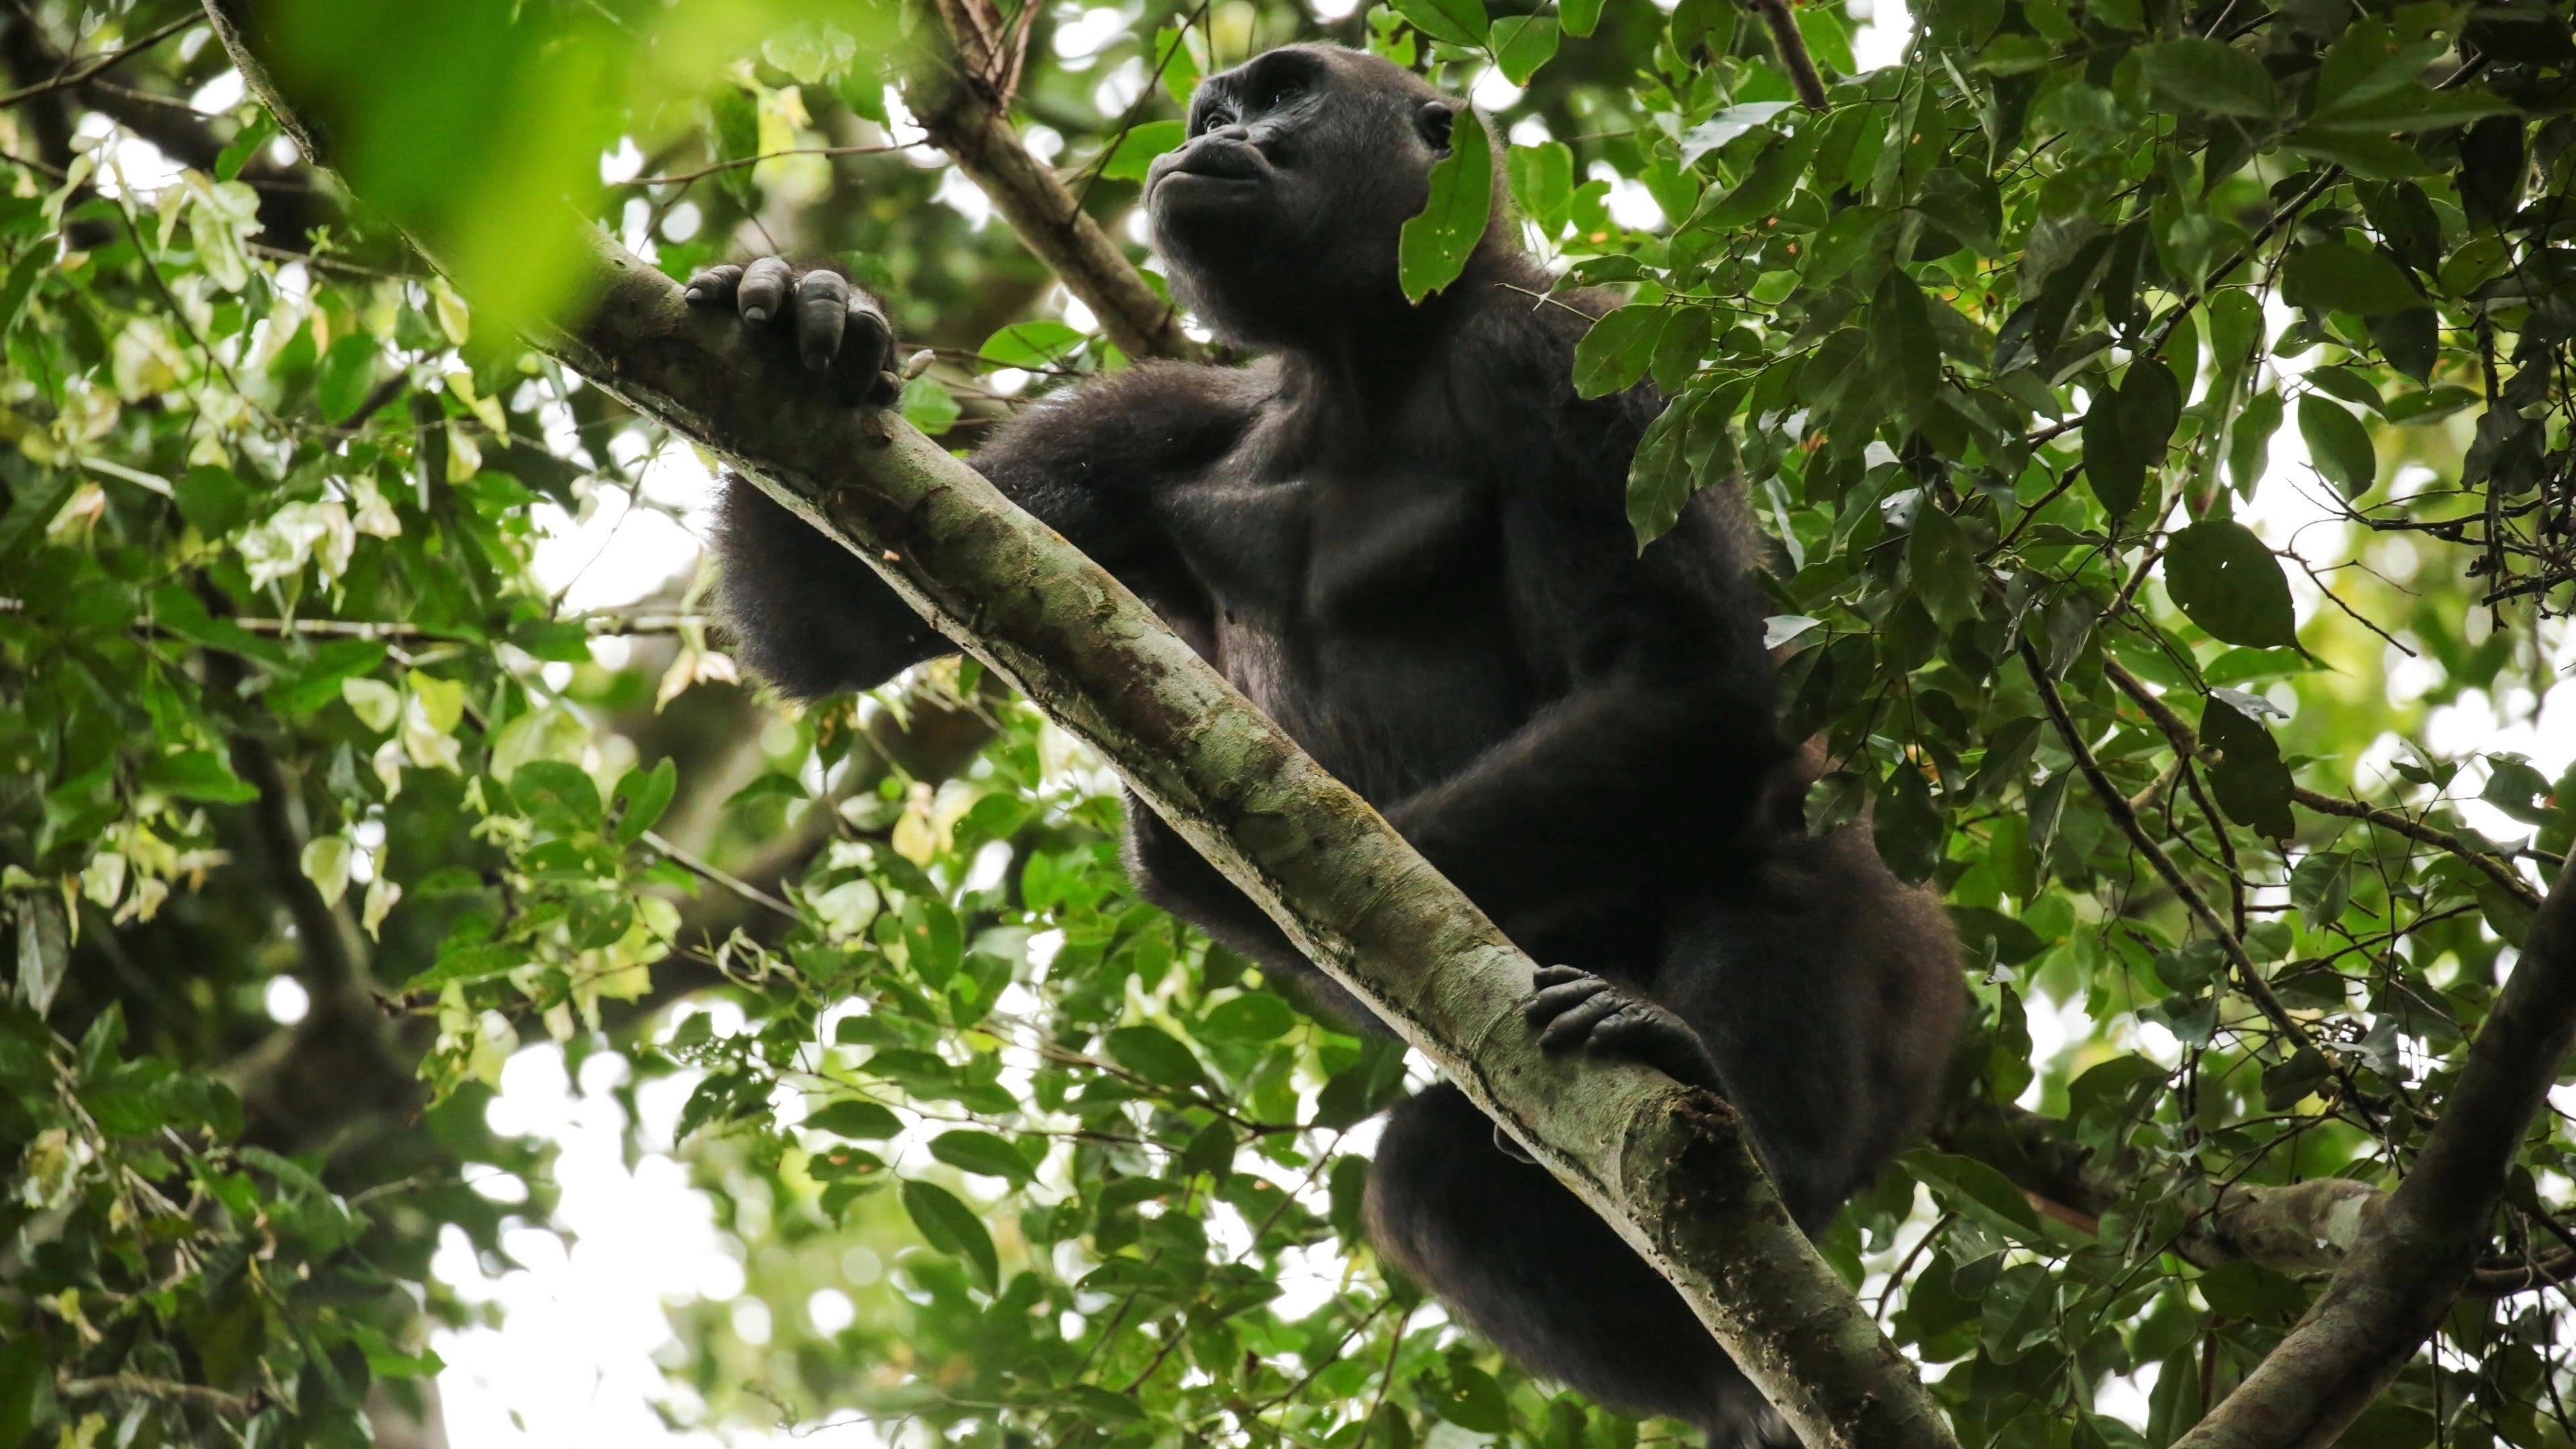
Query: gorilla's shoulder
[1164, 415]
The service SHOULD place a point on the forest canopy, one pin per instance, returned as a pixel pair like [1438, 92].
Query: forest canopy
[2157, 415]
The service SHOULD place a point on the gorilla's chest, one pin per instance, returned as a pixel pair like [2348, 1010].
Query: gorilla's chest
[1370, 616]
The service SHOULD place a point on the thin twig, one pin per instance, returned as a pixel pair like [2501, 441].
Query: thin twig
[679, 177]
[136, 1386]
[71, 78]
[2187, 740]
[703, 871]
[2249, 976]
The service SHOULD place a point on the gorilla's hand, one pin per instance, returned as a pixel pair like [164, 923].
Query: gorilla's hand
[836, 327]
[1578, 1009]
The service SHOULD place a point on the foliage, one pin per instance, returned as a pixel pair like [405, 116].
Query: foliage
[2154, 411]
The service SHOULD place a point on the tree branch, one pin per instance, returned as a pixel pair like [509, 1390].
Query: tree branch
[1792, 47]
[966, 123]
[2186, 741]
[95, 66]
[2393, 1289]
[2249, 977]
[136, 1386]
[1672, 1170]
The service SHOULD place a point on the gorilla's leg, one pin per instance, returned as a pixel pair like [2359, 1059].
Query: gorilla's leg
[1525, 1263]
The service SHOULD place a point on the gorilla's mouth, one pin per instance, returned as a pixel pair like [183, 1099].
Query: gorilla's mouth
[1211, 159]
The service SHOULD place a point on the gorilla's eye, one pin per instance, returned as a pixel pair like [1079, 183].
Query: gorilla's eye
[1211, 118]
[1285, 91]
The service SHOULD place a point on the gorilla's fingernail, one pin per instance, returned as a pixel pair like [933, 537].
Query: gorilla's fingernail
[755, 314]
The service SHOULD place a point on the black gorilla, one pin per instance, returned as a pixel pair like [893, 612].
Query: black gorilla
[1402, 535]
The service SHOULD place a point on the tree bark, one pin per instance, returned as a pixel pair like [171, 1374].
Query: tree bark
[2414, 1259]
[966, 124]
[1672, 1170]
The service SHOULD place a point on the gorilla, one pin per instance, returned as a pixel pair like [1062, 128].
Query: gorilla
[1402, 534]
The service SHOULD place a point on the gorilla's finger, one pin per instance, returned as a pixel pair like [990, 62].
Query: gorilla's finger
[822, 312]
[1573, 1028]
[1644, 1032]
[763, 289]
[1555, 1001]
[713, 287]
[1559, 975]
[868, 348]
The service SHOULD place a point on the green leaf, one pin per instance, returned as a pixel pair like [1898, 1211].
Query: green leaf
[1905, 356]
[928, 406]
[1579, 16]
[198, 775]
[2204, 75]
[1679, 348]
[1037, 344]
[1726, 125]
[2252, 784]
[1460, 22]
[2249, 440]
[2232, 586]
[2321, 886]
[952, 1227]
[1523, 43]
[1468, 1397]
[1616, 352]
[261, 130]
[2411, 340]
[1942, 565]
[1255, 1016]
[855, 1118]
[969, 1150]
[26, 1377]
[21, 285]
[347, 374]
[2336, 278]
[44, 950]
[1979, 1192]
[641, 796]
[1137, 149]
[1907, 826]
[1542, 181]
[1774, 175]
[213, 500]
[735, 117]
[1152, 1053]
[2125, 434]
[1433, 247]
[1659, 479]
[2338, 444]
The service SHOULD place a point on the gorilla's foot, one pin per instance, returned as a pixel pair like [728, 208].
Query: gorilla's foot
[1575, 1008]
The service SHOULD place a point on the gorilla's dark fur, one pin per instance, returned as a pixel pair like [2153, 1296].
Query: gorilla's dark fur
[1402, 534]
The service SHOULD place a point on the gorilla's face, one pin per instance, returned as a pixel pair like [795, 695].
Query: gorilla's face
[1301, 168]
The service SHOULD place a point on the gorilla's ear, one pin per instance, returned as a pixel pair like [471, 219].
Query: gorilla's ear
[1433, 120]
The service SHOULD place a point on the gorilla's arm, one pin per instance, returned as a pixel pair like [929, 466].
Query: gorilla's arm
[805, 613]
[1655, 759]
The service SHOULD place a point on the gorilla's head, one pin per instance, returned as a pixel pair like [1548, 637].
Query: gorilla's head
[1278, 219]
